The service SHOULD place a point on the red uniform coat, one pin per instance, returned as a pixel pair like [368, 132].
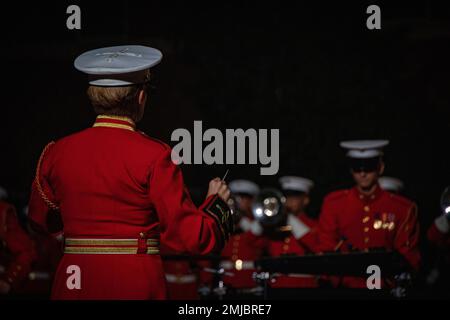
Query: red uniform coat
[241, 251]
[290, 245]
[40, 278]
[113, 182]
[182, 279]
[17, 251]
[350, 220]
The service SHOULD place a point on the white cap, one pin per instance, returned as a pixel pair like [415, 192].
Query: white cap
[363, 149]
[3, 193]
[390, 184]
[244, 186]
[118, 66]
[292, 183]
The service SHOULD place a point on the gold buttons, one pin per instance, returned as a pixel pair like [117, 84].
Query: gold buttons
[377, 224]
[366, 240]
[238, 264]
[287, 240]
[366, 208]
[366, 219]
[142, 235]
[366, 229]
[285, 247]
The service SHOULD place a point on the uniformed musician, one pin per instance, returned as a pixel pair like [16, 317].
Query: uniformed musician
[16, 249]
[366, 216]
[301, 238]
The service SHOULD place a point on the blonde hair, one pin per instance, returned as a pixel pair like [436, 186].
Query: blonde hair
[117, 101]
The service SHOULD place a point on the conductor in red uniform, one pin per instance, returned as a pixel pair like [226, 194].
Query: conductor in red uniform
[366, 216]
[118, 192]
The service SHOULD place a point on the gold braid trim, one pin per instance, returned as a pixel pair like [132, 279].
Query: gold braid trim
[44, 197]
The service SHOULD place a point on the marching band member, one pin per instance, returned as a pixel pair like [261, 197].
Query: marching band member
[245, 245]
[48, 253]
[16, 250]
[302, 238]
[366, 216]
[181, 275]
[391, 184]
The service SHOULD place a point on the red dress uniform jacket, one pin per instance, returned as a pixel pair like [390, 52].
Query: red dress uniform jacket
[290, 245]
[40, 278]
[112, 182]
[350, 220]
[182, 278]
[241, 252]
[17, 251]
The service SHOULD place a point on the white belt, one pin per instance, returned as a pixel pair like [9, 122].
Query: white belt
[36, 275]
[237, 265]
[294, 275]
[182, 279]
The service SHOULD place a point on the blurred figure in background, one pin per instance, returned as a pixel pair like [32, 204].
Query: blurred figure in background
[244, 246]
[300, 238]
[182, 280]
[391, 184]
[439, 237]
[366, 216]
[16, 249]
[48, 253]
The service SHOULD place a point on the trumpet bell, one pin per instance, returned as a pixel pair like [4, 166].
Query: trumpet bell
[268, 207]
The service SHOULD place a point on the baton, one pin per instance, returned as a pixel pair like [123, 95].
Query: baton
[225, 175]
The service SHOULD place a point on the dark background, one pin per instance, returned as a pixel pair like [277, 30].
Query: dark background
[313, 71]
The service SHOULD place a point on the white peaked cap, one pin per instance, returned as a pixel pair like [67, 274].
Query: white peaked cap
[294, 183]
[119, 65]
[363, 149]
[244, 186]
[391, 184]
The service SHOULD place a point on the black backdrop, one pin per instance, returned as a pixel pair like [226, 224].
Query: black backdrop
[313, 71]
